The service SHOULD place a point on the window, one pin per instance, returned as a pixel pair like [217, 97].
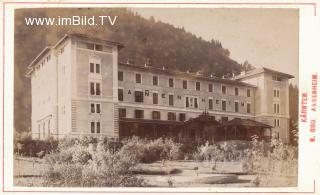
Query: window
[185, 84]
[198, 86]
[138, 96]
[93, 108]
[182, 117]
[210, 104]
[224, 105]
[98, 108]
[171, 116]
[170, 99]
[139, 114]
[98, 47]
[276, 122]
[90, 46]
[248, 108]
[122, 113]
[138, 78]
[92, 67]
[155, 98]
[92, 91]
[236, 91]
[93, 46]
[120, 76]
[156, 115]
[236, 106]
[171, 84]
[248, 93]
[195, 102]
[276, 93]
[224, 119]
[95, 127]
[95, 88]
[210, 87]
[276, 108]
[92, 127]
[98, 92]
[120, 94]
[98, 127]
[276, 78]
[191, 102]
[98, 68]
[187, 102]
[155, 80]
[224, 89]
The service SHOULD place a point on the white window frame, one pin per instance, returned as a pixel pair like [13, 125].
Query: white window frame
[123, 76]
[187, 84]
[195, 85]
[250, 108]
[173, 81]
[226, 90]
[135, 78]
[169, 98]
[212, 87]
[152, 80]
[95, 60]
[190, 96]
[225, 102]
[234, 103]
[210, 98]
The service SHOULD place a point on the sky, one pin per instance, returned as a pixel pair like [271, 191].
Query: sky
[264, 37]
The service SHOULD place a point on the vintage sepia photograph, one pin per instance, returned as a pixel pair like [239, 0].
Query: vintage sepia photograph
[156, 97]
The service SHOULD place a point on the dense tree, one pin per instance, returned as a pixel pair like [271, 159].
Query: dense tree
[293, 112]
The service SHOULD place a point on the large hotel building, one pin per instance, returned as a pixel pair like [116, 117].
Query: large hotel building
[79, 88]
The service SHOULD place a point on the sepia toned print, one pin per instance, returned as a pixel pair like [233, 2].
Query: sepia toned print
[136, 102]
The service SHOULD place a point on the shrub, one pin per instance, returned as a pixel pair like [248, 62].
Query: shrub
[28, 147]
[89, 164]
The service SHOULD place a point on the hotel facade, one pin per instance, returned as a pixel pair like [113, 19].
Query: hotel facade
[79, 88]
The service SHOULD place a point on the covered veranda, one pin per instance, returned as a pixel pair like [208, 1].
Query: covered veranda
[244, 129]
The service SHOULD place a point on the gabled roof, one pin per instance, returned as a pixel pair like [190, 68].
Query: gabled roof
[204, 118]
[262, 70]
[65, 37]
[246, 123]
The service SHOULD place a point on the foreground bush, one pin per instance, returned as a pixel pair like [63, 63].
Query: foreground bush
[96, 163]
[94, 166]
[35, 148]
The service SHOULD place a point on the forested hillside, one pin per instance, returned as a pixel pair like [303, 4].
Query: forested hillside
[145, 40]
